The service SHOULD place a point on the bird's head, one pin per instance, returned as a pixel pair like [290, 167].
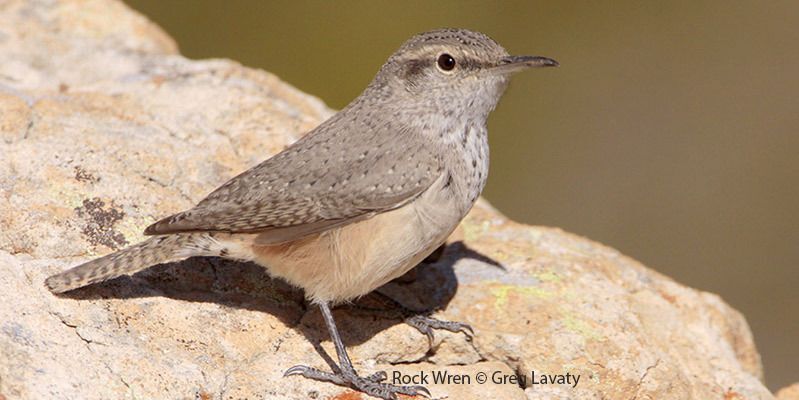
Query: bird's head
[450, 71]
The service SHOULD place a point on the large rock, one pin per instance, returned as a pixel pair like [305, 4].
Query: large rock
[789, 393]
[104, 128]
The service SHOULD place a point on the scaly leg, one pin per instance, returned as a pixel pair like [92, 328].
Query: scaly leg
[372, 385]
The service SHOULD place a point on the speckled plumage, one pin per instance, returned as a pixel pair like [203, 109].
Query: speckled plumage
[360, 199]
[416, 129]
[378, 153]
[415, 137]
[328, 178]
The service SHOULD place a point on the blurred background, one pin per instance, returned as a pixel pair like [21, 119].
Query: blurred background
[670, 131]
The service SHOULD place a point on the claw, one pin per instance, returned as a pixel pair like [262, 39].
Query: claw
[372, 385]
[421, 390]
[295, 370]
[426, 325]
[431, 338]
[422, 327]
[467, 330]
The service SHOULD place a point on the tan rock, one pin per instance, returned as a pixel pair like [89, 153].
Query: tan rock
[104, 128]
[789, 392]
[480, 380]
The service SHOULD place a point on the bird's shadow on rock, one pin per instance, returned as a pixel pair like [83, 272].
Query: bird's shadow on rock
[429, 286]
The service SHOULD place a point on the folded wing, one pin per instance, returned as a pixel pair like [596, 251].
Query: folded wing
[319, 183]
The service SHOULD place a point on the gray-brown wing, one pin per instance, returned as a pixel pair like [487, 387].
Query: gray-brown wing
[322, 181]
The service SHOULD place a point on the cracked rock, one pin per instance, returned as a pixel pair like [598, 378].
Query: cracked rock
[98, 109]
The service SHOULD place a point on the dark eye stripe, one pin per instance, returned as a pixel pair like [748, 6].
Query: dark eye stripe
[415, 67]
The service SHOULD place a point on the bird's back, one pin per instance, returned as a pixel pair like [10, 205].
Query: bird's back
[347, 169]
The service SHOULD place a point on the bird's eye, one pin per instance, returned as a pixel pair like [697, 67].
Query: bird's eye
[446, 62]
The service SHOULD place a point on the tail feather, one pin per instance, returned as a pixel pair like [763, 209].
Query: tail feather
[157, 250]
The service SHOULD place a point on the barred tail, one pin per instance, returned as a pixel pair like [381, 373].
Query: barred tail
[157, 250]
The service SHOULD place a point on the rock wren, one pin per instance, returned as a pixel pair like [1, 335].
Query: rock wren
[360, 199]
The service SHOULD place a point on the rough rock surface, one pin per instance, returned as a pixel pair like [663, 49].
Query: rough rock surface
[789, 393]
[104, 128]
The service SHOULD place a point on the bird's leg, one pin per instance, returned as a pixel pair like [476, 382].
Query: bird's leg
[423, 322]
[346, 375]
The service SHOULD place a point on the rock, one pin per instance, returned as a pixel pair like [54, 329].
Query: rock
[104, 128]
[789, 393]
[461, 381]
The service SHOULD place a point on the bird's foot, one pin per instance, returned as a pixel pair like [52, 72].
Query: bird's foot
[422, 321]
[426, 324]
[372, 385]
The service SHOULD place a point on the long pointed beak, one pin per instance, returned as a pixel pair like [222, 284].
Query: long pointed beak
[517, 63]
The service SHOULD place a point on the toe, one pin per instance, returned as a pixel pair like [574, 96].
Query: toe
[295, 370]
[420, 391]
[467, 329]
[378, 376]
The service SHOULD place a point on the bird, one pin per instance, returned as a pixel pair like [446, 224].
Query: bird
[357, 201]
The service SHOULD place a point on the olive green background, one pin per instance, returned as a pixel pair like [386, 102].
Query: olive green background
[670, 132]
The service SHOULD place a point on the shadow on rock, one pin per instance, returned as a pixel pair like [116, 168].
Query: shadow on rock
[428, 287]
